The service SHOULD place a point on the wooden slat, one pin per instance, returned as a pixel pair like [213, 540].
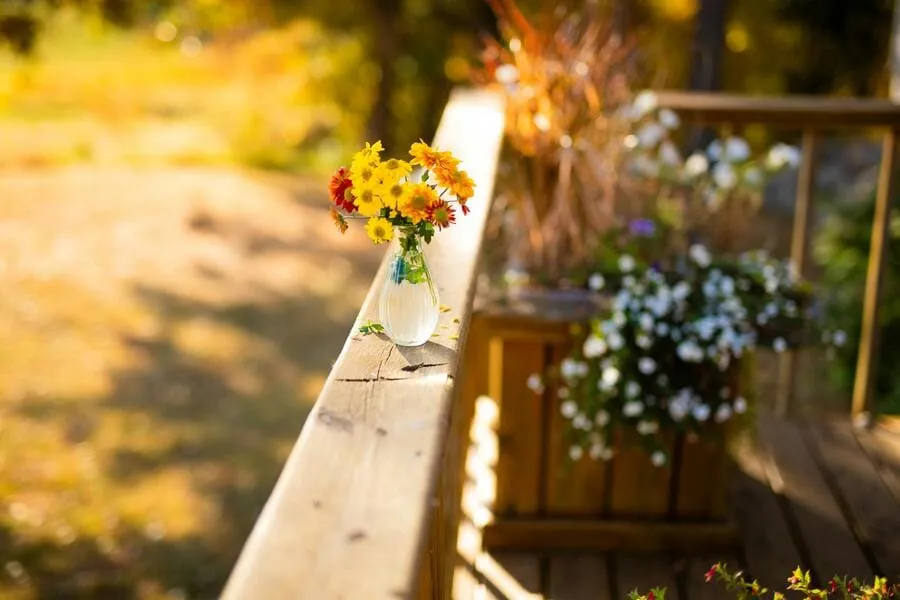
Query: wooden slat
[510, 576]
[766, 537]
[609, 535]
[880, 447]
[829, 539]
[812, 111]
[518, 466]
[350, 514]
[874, 508]
[864, 382]
[639, 489]
[571, 489]
[702, 481]
[642, 572]
[788, 361]
[578, 577]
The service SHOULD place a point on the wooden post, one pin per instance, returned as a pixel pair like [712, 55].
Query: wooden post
[787, 363]
[895, 54]
[864, 383]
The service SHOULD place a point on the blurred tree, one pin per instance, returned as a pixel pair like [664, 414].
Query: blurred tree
[708, 46]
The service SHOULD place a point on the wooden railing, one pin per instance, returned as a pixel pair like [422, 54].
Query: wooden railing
[365, 507]
[812, 116]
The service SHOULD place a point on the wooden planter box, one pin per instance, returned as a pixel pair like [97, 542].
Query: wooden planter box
[543, 500]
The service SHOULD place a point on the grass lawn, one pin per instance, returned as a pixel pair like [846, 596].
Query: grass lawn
[165, 332]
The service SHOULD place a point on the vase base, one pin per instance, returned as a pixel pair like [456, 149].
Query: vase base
[412, 344]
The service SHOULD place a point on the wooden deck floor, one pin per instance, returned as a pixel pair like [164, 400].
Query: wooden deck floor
[820, 495]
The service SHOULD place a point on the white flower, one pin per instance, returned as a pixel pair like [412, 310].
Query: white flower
[596, 282]
[782, 155]
[506, 74]
[632, 408]
[644, 103]
[568, 368]
[615, 340]
[714, 150]
[643, 341]
[839, 338]
[581, 422]
[779, 345]
[576, 452]
[762, 318]
[696, 164]
[753, 176]
[658, 458]
[608, 453]
[645, 321]
[669, 119]
[668, 154]
[601, 418]
[662, 329]
[681, 289]
[662, 380]
[701, 412]
[535, 383]
[610, 376]
[646, 365]
[740, 405]
[724, 176]
[568, 409]
[628, 281]
[626, 263]
[650, 134]
[737, 149]
[727, 286]
[581, 369]
[700, 255]
[723, 413]
[596, 451]
[647, 427]
[632, 389]
[594, 346]
[689, 351]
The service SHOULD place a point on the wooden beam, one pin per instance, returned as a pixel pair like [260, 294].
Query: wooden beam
[787, 111]
[351, 514]
[864, 383]
[609, 535]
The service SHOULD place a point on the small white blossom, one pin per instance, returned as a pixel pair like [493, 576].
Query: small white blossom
[753, 176]
[782, 155]
[762, 318]
[601, 418]
[576, 452]
[581, 422]
[568, 368]
[658, 458]
[626, 263]
[594, 346]
[662, 329]
[610, 376]
[535, 383]
[681, 290]
[740, 405]
[615, 340]
[668, 154]
[696, 164]
[596, 282]
[643, 341]
[839, 338]
[662, 380]
[646, 365]
[645, 321]
[700, 412]
[779, 345]
[650, 134]
[669, 118]
[632, 408]
[632, 389]
[723, 413]
[737, 149]
[644, 103]
[608, 453]
[596, 451]
[568, 409]
[714, 150]
[724, 176]
[700, 255]
[647, 427]
[689, 351]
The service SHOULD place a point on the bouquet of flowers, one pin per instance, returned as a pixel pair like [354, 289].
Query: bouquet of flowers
[665, 355]
[409, 200]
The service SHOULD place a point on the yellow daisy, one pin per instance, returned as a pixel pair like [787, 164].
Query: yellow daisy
[379, 230]
[392, 192]
[416, 202]
[392, 170]
[368, 202]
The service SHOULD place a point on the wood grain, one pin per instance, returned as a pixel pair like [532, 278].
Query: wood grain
[702, 481]
[639, 489]
[350, 516]
[579, 577]
[642, 572]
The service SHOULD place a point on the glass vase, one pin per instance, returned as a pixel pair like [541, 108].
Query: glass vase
[408, 306]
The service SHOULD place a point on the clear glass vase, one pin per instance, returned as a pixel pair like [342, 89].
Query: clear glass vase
[408, 306]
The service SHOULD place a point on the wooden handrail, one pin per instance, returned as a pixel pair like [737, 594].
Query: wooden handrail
[351, 514]
[792, 111]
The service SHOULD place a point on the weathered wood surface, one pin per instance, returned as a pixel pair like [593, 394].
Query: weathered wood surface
[351, 514]
[791, 112]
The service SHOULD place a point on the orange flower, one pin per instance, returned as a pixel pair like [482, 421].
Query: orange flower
[423, 154]
[339, 221]
[416, 202]
[458, 182]
[441, 214]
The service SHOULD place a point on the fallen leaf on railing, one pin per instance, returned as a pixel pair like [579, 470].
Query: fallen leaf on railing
[370, 327]
[445, 308]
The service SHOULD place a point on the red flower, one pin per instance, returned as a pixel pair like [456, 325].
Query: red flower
[711, 574]
[441, 214]
[465, 209]
[340, 187]
[832, 586]
[651, 595]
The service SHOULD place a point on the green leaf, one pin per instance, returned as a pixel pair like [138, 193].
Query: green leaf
[425, 175]
[370, 327]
